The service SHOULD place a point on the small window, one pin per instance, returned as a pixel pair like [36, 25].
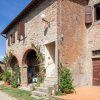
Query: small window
[95, 53]
[8, 40]
[12, 38]
[97, 12]
[21, 30]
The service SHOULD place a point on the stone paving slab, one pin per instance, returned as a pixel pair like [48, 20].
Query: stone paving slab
[4, 96]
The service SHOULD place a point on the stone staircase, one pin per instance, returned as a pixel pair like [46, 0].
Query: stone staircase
[44, 92]
[40, 93]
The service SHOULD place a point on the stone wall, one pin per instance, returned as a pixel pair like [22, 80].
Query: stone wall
[73, 47]
[35, 32]
[93, 32]
[67, 24]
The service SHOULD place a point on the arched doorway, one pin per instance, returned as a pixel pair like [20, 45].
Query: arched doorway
[31, 61]
[13, 62]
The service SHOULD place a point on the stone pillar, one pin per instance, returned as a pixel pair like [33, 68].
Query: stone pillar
[24, 79]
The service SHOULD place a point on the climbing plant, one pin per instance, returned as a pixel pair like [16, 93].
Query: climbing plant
[40, 59]
[39, 55]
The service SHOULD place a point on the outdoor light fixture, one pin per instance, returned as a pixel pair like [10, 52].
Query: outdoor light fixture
[43, 17]
[46, 22]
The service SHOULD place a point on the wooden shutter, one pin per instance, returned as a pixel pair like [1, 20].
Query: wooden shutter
[18, 36]
[88, 14]
[8, 37]
[21, 29]
[13, 38]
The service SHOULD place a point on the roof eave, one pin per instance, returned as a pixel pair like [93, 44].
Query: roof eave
[20, 15]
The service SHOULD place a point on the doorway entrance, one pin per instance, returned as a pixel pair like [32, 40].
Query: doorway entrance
[33, 68]
[96, 71]
[50, 60]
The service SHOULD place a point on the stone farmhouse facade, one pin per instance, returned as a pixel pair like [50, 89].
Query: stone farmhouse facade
[67, 32]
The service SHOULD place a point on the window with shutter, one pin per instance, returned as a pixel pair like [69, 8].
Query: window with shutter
[88, 14]
[8, 36]
[13, 38]
[21, 30]
[18, 36]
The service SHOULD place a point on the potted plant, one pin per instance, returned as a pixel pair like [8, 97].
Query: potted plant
[6, 76]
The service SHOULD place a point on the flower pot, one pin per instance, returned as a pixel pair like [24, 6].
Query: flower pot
[6, 83]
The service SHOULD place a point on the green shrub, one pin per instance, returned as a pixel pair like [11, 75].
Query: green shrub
[14, 80]
[15, 76]
[6, 75]
[66, 81]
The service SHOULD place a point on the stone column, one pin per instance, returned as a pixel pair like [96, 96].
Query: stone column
[24, 79]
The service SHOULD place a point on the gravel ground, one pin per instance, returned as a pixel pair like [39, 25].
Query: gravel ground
[4, 96]
[83, 93]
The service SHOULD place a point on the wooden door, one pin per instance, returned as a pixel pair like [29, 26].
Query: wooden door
[96, 71]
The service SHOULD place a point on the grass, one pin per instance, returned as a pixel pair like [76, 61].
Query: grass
[17, 93]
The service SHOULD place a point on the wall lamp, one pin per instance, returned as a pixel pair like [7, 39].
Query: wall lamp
[47, 23]
[43, 16]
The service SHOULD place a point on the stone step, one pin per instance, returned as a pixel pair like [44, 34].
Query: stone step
[40, 98]
[48, 83]
[42, 89]
[39, 94]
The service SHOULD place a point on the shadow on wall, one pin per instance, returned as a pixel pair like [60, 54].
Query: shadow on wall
[39, 8]
[81, 2]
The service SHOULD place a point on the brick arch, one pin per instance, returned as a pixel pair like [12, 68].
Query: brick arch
[30, 64]
[25, 55]
[13, 61]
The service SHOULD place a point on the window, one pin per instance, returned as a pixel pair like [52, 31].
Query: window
[8, 37]
[88, 14]
[21, 30]
[12, 38]
[95, 53]
[97, 12]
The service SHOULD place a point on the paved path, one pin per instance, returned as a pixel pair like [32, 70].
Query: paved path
[4, 96]
[83, 93]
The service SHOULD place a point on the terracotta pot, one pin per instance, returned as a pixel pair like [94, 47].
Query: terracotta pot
[6, 83]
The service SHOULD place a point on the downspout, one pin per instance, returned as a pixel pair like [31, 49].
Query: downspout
[58, 38]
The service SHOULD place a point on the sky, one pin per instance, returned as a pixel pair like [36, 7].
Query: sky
[9, 9]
